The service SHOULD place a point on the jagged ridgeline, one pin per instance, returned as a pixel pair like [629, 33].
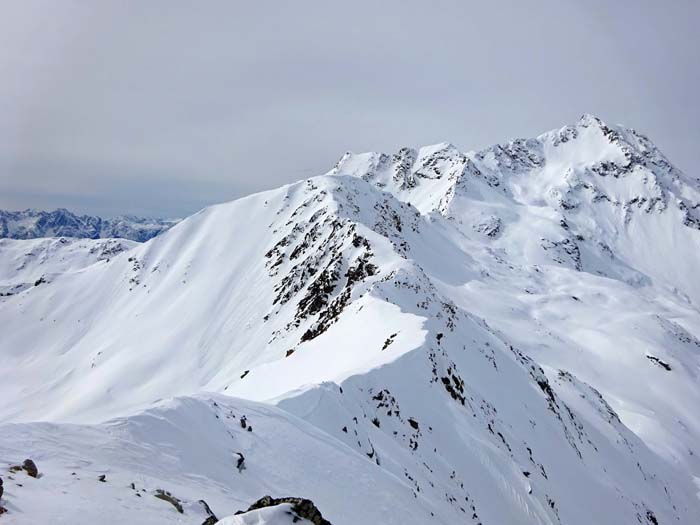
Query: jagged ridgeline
[431, 336]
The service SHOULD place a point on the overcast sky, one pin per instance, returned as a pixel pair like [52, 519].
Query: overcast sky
[162, 107]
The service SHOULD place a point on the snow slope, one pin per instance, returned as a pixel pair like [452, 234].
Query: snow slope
[156, 450]
[504, 336]
[24, 263]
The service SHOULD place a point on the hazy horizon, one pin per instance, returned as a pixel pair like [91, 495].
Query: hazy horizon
[160, 109]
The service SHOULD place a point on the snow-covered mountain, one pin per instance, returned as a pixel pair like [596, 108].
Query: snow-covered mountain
[26, 263]
[34, 224]
[503, 336]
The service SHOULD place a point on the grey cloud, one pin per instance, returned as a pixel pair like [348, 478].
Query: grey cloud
[163, 107]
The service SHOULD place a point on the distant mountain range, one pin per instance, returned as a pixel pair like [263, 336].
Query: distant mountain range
[33, 224]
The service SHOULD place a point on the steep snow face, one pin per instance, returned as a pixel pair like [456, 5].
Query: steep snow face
[587, 238]
[33, 224]
[490, 330]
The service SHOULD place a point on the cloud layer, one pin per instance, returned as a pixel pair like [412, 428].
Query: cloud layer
[160, 108]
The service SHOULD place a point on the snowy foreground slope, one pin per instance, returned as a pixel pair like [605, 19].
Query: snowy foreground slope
[504, 336]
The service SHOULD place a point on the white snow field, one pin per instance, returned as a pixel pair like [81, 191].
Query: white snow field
[499, 337]
[26, 263]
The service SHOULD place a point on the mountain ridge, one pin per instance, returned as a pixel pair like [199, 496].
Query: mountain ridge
[33, 224]
[484, 329]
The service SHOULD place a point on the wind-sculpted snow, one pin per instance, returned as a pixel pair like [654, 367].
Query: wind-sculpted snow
[504, 336]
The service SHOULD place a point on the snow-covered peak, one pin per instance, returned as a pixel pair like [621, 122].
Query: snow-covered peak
[588, 150]
[588, 191]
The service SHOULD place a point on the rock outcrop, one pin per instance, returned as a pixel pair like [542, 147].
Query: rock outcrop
[304, 508]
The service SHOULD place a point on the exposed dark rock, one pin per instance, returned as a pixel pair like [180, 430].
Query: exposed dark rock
[318, 293]
[30, 467]
[211, 517]
[102, 478]
[659, 362]
[240, 462]
[1, 489]
[361, 269]
[651, 518]
[166, 496]
[304, 508]
[491, 227]
[328, 316]
[455, 390]
[388, 341]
